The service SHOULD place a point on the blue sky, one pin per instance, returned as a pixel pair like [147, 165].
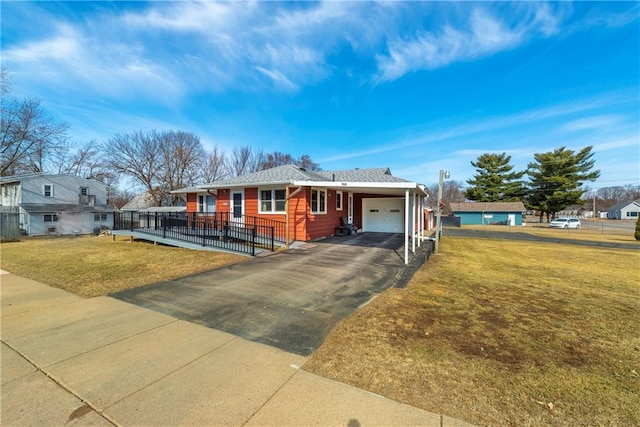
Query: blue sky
[415, 86]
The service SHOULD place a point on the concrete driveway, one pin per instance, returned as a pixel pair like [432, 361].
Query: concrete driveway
[290, 299]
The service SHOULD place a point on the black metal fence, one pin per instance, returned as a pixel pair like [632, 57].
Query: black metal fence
[219, 230]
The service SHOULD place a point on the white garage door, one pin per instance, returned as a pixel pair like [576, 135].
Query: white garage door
[383, 215]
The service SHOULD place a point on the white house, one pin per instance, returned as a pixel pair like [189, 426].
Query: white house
[624, 210]
[57, 204]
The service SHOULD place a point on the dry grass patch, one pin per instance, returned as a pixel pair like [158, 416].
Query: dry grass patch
[589, 232]
[503, 333]
[91, 266]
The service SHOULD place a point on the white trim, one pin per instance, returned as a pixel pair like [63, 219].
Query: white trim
[341, 193]
[44, 194]
[406, 226]
[336, 184]
[273, 200]
[413, 224]
[326, 199]
[231, 193]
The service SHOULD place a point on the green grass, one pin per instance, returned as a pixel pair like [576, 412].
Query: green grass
[499, 332]
[91, 266]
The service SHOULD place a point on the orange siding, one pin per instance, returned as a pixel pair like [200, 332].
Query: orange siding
[323, 225]
[298, 215]
[222, 201]
[192, 202]
[251, 201]
[303, 225]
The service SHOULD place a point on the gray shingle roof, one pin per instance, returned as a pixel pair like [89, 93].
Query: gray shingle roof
[488, 207]
[362, 175]
[59, 207]
[277, 175]
[621, 205]
[289, 173]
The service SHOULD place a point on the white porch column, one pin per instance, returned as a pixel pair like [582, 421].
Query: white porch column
[413, 224]
[420, 220]
[406, 226]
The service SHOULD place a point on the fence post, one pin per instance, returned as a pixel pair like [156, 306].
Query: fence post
[253, 241]
[226, 232]
[272, 238]
[164, 226]
[155, 223]
[204, 234]
[131, 220]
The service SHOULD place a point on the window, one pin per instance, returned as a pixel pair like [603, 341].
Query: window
[206, 204]
[100, 217]
[84, 191]
[632, 213]
[47, 190]
[273, 201]
[318, 201]
[338, 200]
[50, 217]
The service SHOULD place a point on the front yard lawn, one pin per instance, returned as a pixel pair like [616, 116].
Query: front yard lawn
[91, 266]
[499, 332]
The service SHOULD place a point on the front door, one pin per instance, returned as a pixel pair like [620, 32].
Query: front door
[237, 206]
[350, 208]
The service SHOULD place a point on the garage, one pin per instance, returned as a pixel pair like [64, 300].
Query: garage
[383, 215]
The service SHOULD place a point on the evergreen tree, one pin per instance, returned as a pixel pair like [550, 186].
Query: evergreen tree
[637, 233]
[495, 181]
[556, 177]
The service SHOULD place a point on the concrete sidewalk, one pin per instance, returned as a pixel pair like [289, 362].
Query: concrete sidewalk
[101, 361]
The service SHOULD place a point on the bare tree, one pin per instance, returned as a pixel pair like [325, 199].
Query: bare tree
[138, 156]
[277, 158]
[120, 197]
[271, 160]
[182, 153]
[452, 192]
[29, 137]
[245, 160]
[214, 165]
[87, 161]
[305, 161]
[158, 161]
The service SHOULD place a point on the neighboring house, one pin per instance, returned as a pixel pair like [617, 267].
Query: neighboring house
[57, 204]
[489, 213]
[313, 203]
[144, 201]
[139, 202]
[624, 210]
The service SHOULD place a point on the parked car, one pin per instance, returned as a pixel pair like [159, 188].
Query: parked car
[565, 223]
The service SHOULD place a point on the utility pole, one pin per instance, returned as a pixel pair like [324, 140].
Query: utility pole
[443, 175]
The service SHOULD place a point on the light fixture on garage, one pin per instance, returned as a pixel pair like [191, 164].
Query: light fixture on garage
[443, 175]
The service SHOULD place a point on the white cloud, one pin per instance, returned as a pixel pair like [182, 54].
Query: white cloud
[485, 34]
[63, 45]
[600, 122]
[278, 78]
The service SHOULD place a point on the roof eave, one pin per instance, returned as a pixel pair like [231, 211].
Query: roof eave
[372, 185]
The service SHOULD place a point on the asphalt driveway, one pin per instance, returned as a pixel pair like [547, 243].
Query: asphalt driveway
[290, 299]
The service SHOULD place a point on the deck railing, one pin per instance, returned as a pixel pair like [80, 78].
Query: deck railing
[217, 229]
